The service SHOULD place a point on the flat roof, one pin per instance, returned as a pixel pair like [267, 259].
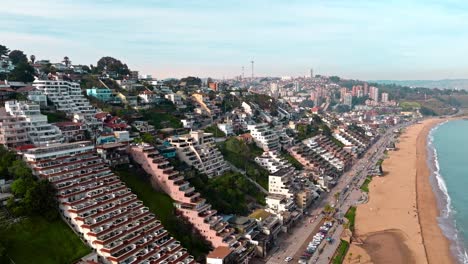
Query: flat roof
[219, 253]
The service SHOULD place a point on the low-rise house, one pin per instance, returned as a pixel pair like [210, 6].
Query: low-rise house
[72, 131]
[143, 126]
[113, 154]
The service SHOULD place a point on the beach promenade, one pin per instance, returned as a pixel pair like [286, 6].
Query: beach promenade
[399, 223]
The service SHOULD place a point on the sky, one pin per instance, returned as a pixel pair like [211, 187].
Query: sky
[360, 39]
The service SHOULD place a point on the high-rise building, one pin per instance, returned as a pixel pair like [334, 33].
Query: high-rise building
[348, 99]
[366, 89]
[374, 93]
[384, 97]
[343, 92]
[311, 73]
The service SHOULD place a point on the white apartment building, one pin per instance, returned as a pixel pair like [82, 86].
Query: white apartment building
[39, 132]
[176, 99]
[264, 137]
[271, 161]
[66, 96]
[227, 128]
[101, 209]
[280, 182]
[198, 149]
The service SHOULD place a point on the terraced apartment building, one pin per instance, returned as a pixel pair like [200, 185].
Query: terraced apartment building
[102, 209]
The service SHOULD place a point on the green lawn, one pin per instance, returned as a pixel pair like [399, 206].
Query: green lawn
[162, 206]
[365, 185]
[53, 117]
[35, 240]
[351, 216]
[341, 252]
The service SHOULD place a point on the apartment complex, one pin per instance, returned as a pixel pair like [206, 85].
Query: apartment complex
[264, 137]
[12, 130]
[66, 96]
[198, 149]
[27, 115]
[101, 209]
[189, 203]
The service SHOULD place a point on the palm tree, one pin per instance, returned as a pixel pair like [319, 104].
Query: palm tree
[359, 258]
[67, 61]
[32, 58]
[350, 257]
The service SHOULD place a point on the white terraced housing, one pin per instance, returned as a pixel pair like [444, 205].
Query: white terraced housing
[66, 96]
[271, 161]
[265, 137]
[39, 132]
[198, 149]
[101, 209]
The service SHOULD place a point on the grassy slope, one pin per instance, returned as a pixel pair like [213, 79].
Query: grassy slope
[35, 240]
[162, 206]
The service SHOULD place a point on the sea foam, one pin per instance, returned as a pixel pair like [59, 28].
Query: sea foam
[446, 219]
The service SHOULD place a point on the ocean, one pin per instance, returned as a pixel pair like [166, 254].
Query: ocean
[448, 160]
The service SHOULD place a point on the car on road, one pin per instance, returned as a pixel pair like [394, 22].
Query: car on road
[288, 259]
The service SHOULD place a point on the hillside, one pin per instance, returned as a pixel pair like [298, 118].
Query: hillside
[441, 84]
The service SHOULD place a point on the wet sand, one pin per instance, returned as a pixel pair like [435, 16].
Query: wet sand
[399, 223]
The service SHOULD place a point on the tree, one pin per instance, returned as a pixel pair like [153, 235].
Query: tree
[337, 195]
[3, 51]
[67, 61]
[21, 186]
[112, 65]
[32, 58]
[23, 72]
[41, 200]
[17, 57]
[19, 169]
[147, 137]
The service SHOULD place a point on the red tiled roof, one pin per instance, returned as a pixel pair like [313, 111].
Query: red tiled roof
[147, 92]
[101, 115]
[25, 147]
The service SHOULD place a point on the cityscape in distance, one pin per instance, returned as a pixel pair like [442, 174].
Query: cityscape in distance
[151, 132]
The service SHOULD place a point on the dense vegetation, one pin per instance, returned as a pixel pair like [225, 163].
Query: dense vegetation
[42, 232]
[162, 116]
[242, 155]
[228, 193]
[215, 131]
[162, 206]
[23, 71]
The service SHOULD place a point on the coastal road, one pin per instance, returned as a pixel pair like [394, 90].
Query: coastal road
[291, 244]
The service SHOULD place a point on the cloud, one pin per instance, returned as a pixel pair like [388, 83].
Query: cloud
[218, 37]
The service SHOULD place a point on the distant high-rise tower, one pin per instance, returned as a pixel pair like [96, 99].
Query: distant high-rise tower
[311, 73]
[242, 72]
[252, 62]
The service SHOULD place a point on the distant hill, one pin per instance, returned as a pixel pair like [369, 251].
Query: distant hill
[441, 84]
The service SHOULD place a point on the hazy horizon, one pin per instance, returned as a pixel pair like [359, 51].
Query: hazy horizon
[357, 40]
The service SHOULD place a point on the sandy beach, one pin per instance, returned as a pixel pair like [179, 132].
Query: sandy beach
[399, 223]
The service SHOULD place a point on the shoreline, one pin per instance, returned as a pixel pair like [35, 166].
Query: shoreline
[446, 218]
[430, 208]
[399, 224]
